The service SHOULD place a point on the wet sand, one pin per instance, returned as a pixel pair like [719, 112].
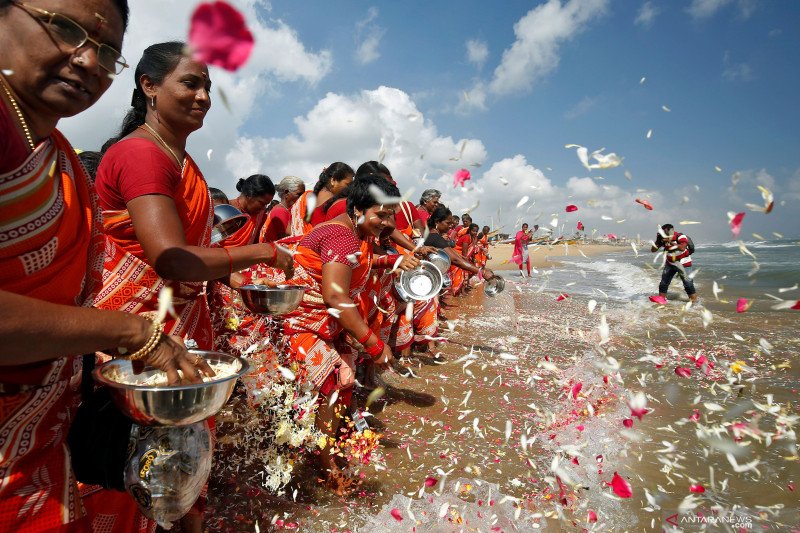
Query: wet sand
[545, 256]
[511, 370]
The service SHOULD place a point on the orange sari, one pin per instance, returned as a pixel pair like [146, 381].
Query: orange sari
[482, 252]
[132, 285]
[247, 234]
[316, 338]
[299, 226]
[51, 248]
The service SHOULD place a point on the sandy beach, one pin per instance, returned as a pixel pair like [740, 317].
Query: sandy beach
[544, 256]
[526, 421]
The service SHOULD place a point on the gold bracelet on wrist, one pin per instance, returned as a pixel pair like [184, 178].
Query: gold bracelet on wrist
[148, 347]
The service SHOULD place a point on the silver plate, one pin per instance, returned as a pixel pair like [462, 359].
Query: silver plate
[422, 283]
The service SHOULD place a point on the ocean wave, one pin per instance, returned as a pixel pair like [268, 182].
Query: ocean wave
[751, 244]
[628, 280]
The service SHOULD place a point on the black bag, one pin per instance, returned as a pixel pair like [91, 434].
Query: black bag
[689, 243]
[99, 436]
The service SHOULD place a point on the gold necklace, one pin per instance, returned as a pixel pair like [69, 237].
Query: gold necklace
[18, 111]
[146, 127]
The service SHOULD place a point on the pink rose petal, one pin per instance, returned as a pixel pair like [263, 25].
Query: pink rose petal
[592, 516]
[396, 514]
[628, 423]
[796, 305]
[645, 203]
[580, 427]
[683, 371]
[736, 224]
[460, 177]
[742, 305]
[576, 388]
[218, 35]
[571, 208]
[621, 487]
[562, 296]
[580, 225]
[697, 488]
[430, 481]
[695, 415]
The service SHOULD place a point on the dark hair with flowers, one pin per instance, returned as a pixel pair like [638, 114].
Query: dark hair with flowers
[361, 196]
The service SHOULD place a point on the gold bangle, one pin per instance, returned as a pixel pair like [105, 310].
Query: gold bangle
[150, 345]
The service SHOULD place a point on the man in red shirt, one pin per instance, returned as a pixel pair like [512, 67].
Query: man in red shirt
[678, 260]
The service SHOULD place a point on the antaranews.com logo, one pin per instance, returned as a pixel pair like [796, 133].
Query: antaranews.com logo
[691, 520]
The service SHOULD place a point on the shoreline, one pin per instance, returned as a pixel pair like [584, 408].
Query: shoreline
[503, 406]
[545, 256]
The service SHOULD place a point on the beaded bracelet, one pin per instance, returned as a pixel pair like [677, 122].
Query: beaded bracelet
[148, 347]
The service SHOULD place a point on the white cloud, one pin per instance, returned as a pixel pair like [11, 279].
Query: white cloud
[647, 14]
[368, 38]
[477, 52]
[352, 128]
[473, 99]
[278, 57]
[735, 71]
[582, 107]
[539, 35]
[703, 9]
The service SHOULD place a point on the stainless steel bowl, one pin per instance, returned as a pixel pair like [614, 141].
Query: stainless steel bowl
[167, 405]
[227, 221]
[494, 285]
[271, 300]
[441, 260]
[422, 283]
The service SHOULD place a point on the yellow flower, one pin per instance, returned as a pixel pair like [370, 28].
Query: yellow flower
[232, 323]
[738, 366]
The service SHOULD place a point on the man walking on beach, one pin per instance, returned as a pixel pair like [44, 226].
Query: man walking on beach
[678, 260]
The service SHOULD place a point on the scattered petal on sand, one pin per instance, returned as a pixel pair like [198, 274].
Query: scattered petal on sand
[396, 514]
[570, 208]
[735, 220]
[627, 422]
[683, 371]
[460, 177]
[592, 516]
[697, 488]
[638, 405]
[742, 305]
[576, 388]
[562, 296]
[621, 487]
[430, 481]
[218, 35]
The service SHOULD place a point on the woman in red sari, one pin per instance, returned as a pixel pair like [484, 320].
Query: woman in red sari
[51, 253]
[256, 193]
[332, 180]
[520, 255]
[279, 219]
[334, 262]
[158, 215]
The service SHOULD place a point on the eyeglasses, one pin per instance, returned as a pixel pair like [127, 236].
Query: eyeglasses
[72, 34]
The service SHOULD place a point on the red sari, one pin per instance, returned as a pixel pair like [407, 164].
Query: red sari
[132, 285]
[315, 336]
[51, 248]
[247, 234]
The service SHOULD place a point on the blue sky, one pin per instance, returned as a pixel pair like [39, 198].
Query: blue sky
[338, 80]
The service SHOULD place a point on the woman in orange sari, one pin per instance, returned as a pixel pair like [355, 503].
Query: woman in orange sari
[482, 253]
[256, 193]
[438, 225]
[51, 253]
[158, 216]
[333, 263]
